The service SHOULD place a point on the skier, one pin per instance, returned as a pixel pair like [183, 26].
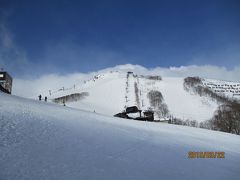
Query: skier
[40, 97]
[45, 98]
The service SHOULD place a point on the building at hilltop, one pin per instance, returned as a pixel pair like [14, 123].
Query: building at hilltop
[5, 82]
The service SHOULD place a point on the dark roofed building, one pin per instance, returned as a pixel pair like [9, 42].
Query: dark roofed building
[132, 109]
[149, 115]
[5, 82]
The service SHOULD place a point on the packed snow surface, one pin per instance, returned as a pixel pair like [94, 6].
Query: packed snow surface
[41, 140]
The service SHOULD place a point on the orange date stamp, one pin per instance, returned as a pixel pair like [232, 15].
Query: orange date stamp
[209, 155]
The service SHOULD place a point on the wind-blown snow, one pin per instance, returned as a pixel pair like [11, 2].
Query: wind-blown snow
[41, 140]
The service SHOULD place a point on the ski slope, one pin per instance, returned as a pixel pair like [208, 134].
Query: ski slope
[41, 140]
[111, 92]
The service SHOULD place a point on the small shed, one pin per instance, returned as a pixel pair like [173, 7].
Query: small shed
[149, 115]
[133, 109]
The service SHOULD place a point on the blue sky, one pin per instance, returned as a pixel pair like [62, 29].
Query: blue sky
[79, 36]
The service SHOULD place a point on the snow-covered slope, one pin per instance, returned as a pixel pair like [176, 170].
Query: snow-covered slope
[41, 140]
[110, 92]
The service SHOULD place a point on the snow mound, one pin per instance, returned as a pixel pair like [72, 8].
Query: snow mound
[41, 140]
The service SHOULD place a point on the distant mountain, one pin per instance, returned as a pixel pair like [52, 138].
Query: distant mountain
[110, 92]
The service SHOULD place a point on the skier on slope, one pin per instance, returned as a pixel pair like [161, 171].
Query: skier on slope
[40, 97]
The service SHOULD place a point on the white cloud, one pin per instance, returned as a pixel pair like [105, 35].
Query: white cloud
[32, 88]
[205, 71]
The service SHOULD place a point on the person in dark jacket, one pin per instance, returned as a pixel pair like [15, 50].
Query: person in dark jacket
[45, 99]
[40, 97]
